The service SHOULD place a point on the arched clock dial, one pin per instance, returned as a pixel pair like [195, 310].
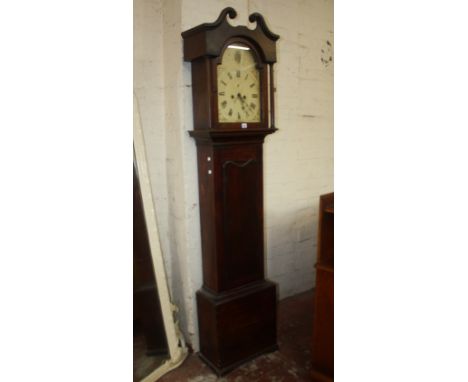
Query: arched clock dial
[238, 86]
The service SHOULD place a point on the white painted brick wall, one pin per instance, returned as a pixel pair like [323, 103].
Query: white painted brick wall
[298, 159]
[148, 82]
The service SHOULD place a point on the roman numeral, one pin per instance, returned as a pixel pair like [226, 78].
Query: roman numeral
[230, 76]
[223, 104]
[230, 112]
[238, 74]
[254, 95]
[222, 93]
[238, 115]
[252, 85]
[252, 105]
[224, 83]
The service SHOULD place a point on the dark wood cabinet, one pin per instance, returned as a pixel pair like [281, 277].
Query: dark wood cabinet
[233, 113]
[323, 336]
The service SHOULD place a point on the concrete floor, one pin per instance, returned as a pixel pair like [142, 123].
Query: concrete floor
[290, 363]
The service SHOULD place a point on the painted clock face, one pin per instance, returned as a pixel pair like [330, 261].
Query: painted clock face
[238, 86]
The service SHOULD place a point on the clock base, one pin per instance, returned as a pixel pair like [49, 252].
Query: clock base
[221, 372]
[236, 326]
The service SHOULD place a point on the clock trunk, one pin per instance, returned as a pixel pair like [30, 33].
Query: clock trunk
[236, 305]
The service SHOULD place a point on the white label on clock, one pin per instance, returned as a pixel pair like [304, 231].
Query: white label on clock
[243, 125]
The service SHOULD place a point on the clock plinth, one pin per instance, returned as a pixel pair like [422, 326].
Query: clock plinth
[237, 326]
[236, 304]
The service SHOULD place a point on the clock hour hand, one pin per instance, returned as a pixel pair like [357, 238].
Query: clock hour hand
[240, 97]
[243, 101]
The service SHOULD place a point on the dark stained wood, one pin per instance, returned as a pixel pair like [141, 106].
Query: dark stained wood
[236, 305]
[323, 336]
[272, 97]
[204, 46]
[237, 325]
[238, 174]
[209, 39]
[231, 207]
[146, 308]
[231, 213]
[204, 96]
[230, 136]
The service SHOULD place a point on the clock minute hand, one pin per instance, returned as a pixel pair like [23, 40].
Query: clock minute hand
[243, 101]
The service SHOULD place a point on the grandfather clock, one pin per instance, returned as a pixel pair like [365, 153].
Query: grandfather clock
[233, 110]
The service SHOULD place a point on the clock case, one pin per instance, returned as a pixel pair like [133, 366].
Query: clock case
[237, 306]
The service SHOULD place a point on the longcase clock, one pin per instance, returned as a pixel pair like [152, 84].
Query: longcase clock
[233, 108]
